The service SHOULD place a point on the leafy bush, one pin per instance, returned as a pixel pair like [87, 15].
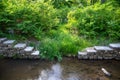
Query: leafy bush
[1, 33]
[61, 43]
[62, 14]
[70, 44]
[25, 16]
[96, 20]
[50, 50]
[62, 26]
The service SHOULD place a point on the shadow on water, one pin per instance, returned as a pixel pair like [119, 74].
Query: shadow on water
[68, 69]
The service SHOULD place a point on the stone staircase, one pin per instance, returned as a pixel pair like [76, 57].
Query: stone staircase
[10, 48]
[101, 52]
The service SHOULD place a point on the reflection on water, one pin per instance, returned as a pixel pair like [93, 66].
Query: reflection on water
[55, 74]
[68, 69]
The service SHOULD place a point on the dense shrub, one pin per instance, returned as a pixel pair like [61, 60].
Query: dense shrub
[70, 44]
[62, 26]
[62, 14]
[49, 49]
[96, 20]
[61, 43]
[27, 16]
[68, 3]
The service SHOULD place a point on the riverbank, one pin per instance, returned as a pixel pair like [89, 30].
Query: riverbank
[23, 50]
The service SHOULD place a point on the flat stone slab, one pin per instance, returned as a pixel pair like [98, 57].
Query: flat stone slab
[115, 45]
[35, 53]
[9, 42]
[2, 39]
[20, 45]
[29, 49]
[90, 50]
[82, 53]
[102, 48]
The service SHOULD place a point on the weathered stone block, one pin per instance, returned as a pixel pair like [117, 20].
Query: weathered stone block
[2, 39]
[35, 55]
[20, 46]
[91, 57]
[108, 55]
[8, 42]
[21, 52]
[91, 51]
[82, 55]
[115, 45]
[95, 57]
[99, 57]
[103, 48]
[117, 58]
[28, 49]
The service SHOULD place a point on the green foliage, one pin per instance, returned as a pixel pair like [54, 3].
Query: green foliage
[62, 26]
[96, 20]
[60, 43]
[49, 49]
[25, 16]
[1, 33]
[60, 3]
[68, 3]
[62, 14]
[70, 44]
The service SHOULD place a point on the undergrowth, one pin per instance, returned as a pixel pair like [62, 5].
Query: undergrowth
[62, 27]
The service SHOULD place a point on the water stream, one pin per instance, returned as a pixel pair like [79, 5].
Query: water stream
[68, 69]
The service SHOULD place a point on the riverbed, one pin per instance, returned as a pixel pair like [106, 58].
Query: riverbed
[67, 69]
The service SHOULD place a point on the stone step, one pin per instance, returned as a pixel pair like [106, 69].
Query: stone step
[82, 55]
[29, 49]
[91, 50]
[102, 48]
[35, 53]
[30, 55]
[2, 39]
[20, 46]
[115, 45]
[8, 42]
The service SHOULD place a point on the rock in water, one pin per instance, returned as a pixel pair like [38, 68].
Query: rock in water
[106, 72]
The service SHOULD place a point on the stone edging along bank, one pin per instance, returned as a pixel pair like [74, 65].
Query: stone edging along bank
[9, 48]
[101, 52]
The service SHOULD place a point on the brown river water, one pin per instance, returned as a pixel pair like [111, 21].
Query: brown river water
[67, 69]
